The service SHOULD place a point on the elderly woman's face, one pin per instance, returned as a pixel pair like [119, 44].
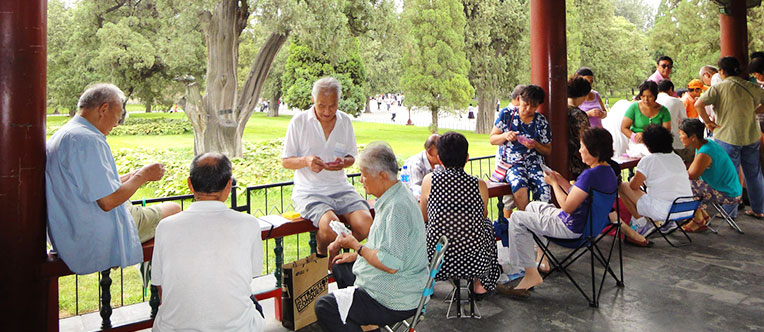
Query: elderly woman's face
[684, 138]
[371, 184]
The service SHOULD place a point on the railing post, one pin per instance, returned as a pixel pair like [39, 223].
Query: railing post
[105, 284]
[278, 250]
[154, 301]
[312, 242]
[233, 194]
[500, 206]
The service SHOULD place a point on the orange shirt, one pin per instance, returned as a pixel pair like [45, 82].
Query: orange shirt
[689, 105]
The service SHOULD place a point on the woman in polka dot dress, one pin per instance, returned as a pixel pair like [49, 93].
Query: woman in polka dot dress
[454, 204]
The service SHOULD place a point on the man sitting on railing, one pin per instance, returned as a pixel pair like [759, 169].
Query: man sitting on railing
[91, 223]
[422, 163]
[206, 256]
[389, 272]
[319, 144]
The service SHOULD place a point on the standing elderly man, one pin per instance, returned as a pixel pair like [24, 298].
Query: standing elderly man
[422, 163]
[91, 223]
[389, 272]
[199, 290]
[678, 114]
[736, 101]
[663, 68]
[319, 145]
[707, 75]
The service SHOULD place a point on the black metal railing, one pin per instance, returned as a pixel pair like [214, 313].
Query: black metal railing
[258, 202]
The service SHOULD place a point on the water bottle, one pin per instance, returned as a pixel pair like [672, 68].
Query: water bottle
[405, 175]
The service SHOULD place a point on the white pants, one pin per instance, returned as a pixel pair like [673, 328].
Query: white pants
[539, 218]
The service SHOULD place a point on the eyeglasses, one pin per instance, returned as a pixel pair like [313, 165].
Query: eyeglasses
[664, 66]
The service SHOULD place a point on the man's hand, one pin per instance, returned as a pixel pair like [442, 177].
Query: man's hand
[348, 241]
[315, 163]
[126, 177]
[334, 247]
[151, 172]
[337, 165]
[711, 126]
[345, 257]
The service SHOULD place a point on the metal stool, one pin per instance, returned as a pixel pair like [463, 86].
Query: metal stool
[455, 297]
[724, 215]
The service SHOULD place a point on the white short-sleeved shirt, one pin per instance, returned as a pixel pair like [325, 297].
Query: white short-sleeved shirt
[305, 137]
[678, 114]
[205, 258]
[79, 171]
[666, 176]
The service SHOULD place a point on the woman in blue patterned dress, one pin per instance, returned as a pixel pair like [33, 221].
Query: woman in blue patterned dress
[527, 139]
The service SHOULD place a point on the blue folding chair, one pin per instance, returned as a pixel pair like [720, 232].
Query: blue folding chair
[681, 207]
[435, 264]
[597, 225]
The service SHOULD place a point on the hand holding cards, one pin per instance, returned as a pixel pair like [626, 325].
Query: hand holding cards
[547, 169]
[339, 228]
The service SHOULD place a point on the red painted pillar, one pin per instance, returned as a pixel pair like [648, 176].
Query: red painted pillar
[22, 164]
[549, 69]
[734, 32]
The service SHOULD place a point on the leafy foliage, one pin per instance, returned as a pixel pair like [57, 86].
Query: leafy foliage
[305, 65]
[141, 126]
[435, 65]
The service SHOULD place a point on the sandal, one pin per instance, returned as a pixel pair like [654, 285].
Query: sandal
[754, 214]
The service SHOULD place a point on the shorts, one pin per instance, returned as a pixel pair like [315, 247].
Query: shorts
[146, 219]
[687, 154]
[509, 202]
[314, 206]
[657, 209]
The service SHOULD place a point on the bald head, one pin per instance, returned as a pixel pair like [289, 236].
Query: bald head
[431, 141]
[210, 173]
[706, 72]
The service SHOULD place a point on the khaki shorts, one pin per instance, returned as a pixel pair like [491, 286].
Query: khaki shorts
[146, 219]
[509, 202]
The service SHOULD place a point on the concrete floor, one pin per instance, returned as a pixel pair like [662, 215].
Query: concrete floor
[714, 284]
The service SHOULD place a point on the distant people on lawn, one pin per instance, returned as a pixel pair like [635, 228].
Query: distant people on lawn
[640, 114]
[592, 105]
[736, 102]
[423, 163]
[528, 138]
[455, 204]
[319, 145]
[91, 223]
[389, 272]
[206, 256]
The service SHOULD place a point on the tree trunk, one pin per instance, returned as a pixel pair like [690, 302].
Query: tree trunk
[486, 111]
[273, 107]
[219, 118]
[434, 124]
[367, 109]
[148, 107]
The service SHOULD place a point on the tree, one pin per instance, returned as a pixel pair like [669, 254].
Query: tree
[380, 51]
[493, 35]
[638, 12]
[305, 65]
[435, 65]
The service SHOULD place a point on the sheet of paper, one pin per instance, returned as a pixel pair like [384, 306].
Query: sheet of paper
[271, 221]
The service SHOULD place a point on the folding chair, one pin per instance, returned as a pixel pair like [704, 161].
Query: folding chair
[679, 207]
[435, 264]
[718, 206]
[597, 226]
[455, 297]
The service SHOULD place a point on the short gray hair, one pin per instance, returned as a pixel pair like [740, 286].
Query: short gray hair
[100, 93]
[707, 69]
[325, 84]
[379, 157]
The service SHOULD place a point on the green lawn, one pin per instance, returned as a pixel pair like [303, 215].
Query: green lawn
[405, 140]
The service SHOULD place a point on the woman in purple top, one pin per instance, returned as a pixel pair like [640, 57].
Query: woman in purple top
[592, 105]
[567, 222]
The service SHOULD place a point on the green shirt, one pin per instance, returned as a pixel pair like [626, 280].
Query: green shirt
[721, 175]
[398, 232]
[735, 101]
[640, 121]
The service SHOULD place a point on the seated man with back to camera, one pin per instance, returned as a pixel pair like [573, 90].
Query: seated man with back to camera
[390, 271]
[422, 163]
[91, 223]
[199, 290]
[319, 145]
